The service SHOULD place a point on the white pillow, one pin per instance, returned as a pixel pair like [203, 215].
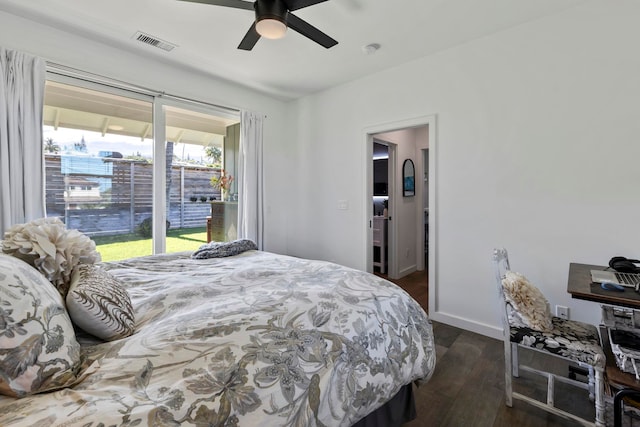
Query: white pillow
[99, 304]
[38, 347]
[47, 245]
[529, 304]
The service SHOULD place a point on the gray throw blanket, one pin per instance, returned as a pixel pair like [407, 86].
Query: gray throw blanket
[223, 249]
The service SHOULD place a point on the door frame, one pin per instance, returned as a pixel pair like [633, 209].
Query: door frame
[431, 123]
[392, 259]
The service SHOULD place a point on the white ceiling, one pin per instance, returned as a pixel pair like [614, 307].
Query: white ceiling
[207, 36]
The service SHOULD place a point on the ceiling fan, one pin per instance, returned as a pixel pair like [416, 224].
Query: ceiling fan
[272, 19]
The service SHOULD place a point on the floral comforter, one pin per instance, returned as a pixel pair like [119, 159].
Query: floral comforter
[256, 339]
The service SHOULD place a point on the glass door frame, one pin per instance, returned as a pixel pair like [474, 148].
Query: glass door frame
[159, 211]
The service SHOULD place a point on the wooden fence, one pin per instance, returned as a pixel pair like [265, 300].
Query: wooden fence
[125, 194]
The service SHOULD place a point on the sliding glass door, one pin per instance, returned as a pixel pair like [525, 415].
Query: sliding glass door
[133, 171]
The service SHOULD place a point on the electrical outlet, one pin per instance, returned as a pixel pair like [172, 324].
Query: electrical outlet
[562, 311]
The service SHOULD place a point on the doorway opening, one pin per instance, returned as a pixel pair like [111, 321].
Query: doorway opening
[410, 240]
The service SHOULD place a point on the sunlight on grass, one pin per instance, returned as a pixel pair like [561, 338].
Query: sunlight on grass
[123, 246]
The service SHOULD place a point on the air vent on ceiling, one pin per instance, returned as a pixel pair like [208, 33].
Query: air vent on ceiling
[153, 41]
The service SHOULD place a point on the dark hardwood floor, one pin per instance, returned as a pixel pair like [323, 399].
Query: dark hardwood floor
[415, 284]
[467, 387]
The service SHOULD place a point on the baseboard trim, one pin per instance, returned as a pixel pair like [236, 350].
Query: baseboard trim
[468, 325]
[407, 271]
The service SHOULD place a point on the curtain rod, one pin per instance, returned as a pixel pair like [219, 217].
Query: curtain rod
[67, 71]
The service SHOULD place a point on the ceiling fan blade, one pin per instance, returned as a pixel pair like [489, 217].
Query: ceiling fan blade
[310, 31]
[250, 39]
[299, 4]
[236, 4]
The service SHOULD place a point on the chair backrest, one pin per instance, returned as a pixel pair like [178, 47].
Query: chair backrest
[501, 266]
[501, 263]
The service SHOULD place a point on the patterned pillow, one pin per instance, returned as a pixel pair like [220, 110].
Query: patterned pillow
[98, 304]
[530, 307]
[223, 249]
[38, 347]
[46, 244]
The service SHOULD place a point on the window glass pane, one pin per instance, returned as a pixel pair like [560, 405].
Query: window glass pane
[195, 155]
[98, 155]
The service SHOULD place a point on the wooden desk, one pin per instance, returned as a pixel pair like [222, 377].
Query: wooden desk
[580, 286]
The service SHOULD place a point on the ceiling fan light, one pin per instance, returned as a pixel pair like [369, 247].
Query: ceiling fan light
[271, 28]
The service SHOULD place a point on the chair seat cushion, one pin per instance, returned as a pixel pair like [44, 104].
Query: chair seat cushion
[574, 340]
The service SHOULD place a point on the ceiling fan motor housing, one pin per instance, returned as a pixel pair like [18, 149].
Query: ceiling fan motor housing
[271, 9]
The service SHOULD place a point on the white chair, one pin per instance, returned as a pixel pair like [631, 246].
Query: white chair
[576, 342]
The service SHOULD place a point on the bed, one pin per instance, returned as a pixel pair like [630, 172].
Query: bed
[254, 339]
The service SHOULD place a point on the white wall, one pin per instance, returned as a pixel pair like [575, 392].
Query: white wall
[77, 52]
[537, 151]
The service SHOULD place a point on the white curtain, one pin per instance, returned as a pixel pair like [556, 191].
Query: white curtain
[250, 179]
[22, 79]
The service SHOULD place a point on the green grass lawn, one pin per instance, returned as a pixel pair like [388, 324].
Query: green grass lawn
[122, 246]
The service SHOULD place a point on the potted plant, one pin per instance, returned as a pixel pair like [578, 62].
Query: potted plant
[222, 183]
[203, 198]
[193, 198]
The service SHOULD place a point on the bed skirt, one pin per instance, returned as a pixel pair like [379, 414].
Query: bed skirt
[397, 411]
